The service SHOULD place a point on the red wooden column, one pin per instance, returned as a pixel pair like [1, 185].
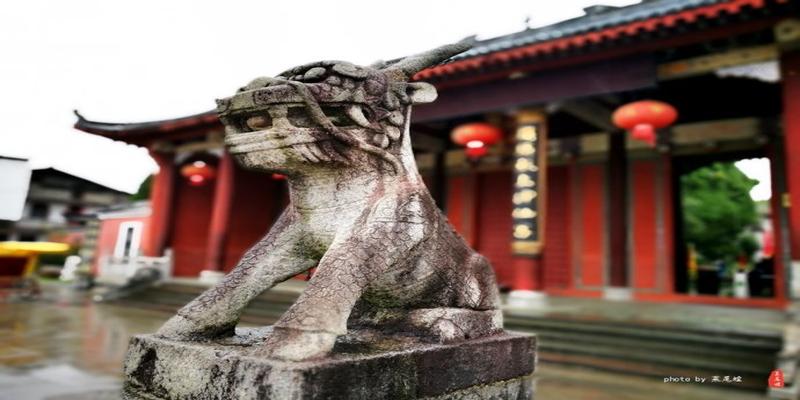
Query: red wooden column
[790, 63]
[617, 210]
[528, 202]
[161, 203]
[220, 214]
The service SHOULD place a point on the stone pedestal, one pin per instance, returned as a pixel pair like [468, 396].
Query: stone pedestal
[365, 364]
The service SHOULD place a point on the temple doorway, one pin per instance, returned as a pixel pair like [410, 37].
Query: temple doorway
[724, 234]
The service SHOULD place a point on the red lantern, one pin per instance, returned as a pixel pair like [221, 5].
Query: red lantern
[198, 173]
[476, 137]
[642, 118]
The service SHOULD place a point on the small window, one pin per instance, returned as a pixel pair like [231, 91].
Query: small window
[39, 210]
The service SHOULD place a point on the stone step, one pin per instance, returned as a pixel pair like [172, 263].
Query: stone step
[755, 341]
[754, 382]
[192, 291]
[705, 328]
[744, 355]
[710, 364]
[263, 311]
[179, 295]
[629, 348]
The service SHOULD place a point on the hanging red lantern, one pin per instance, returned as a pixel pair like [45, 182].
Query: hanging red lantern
[476, 137]
[642, 118]
[198, 173]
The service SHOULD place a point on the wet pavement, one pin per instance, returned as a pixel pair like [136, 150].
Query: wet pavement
[65, 347]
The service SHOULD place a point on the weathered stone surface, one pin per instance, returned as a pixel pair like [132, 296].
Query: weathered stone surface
[512, 389]
[442, 324]
[364, 364]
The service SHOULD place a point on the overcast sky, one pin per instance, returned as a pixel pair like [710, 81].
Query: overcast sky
[143, 60]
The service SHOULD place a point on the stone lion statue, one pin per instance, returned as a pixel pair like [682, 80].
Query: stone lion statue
[385, 256]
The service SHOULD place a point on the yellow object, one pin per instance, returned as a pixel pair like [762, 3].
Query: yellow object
[9, 248]
[31, 251]
[692, 263]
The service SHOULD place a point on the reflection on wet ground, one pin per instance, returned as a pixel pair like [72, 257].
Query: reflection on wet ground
[65, 347]
[55, 382]
[70, 331]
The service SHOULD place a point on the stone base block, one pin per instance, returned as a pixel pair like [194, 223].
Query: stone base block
[365, 364]
[209, 277]
[618, 293]
[526, 299]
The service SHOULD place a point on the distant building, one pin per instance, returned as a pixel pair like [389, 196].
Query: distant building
[57, 204]
[114, 244]
[16, 173]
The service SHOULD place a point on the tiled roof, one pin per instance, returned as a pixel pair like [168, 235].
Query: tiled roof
[600, 24]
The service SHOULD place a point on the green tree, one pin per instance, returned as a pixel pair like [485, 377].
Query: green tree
[144, 189]
[717, 209]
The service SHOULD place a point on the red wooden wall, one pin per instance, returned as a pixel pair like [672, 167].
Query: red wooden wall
[590, 248]
[494, 223]
[557, 258]
[576, 252]
[481, 206]
[644, 220]
[192, 215]
[576, 224]
[455, 209]
[257, 202]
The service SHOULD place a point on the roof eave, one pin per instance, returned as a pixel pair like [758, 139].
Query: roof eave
[121, 131]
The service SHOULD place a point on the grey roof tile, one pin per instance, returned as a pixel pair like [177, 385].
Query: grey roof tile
[613, 16]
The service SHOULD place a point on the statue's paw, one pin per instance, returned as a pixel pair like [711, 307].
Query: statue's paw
[296, 345]
[183, 329]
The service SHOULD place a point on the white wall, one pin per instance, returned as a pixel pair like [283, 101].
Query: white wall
[15, 175]
[55, 214]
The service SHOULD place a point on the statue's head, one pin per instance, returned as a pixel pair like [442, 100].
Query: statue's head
[329, 114]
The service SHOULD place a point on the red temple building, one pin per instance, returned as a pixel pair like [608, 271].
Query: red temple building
[563, 202]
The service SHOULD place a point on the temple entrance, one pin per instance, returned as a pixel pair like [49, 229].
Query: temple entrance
[724, 235]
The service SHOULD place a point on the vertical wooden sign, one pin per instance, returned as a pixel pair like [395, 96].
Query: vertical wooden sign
[530, 166]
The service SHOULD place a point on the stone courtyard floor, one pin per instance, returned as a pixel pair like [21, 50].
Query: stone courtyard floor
[65, 347]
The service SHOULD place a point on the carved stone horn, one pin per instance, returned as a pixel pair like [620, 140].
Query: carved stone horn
[404, 69]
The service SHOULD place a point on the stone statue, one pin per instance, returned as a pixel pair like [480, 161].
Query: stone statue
[399, 306]
[385, 256]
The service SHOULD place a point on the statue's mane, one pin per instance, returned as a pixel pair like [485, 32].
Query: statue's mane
[375, 98]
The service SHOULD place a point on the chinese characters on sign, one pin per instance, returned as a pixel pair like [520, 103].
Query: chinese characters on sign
[529, 174]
